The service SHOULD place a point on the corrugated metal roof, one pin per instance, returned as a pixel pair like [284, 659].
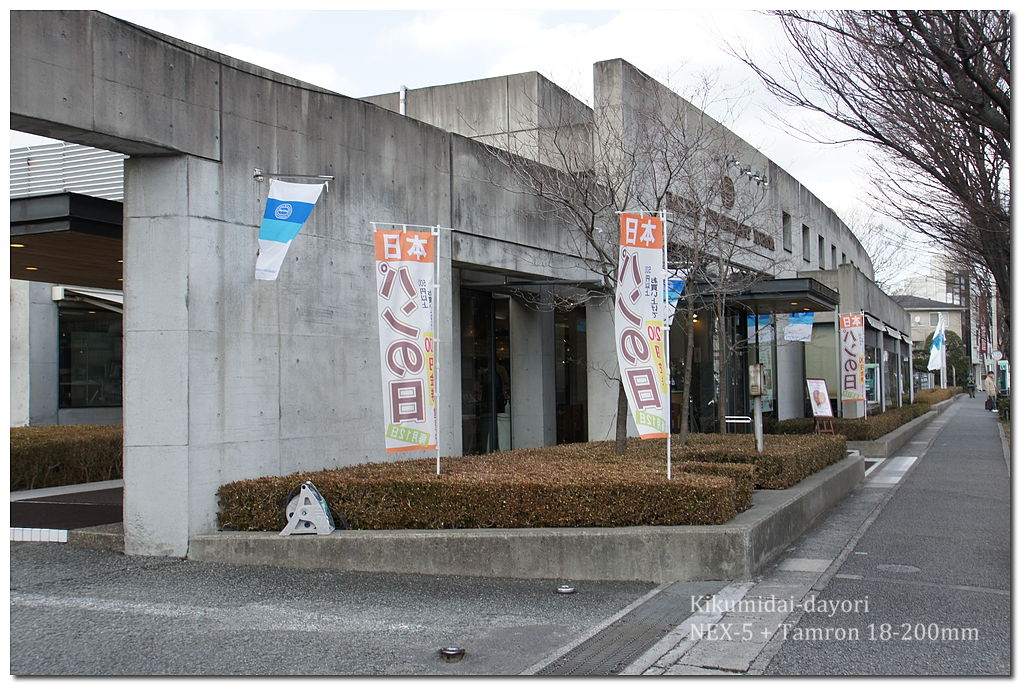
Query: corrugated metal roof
[67, 167]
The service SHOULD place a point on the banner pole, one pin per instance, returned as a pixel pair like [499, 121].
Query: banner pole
[435, 342]
[665, 343]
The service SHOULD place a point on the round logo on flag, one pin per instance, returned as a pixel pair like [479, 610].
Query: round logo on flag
[283, 211]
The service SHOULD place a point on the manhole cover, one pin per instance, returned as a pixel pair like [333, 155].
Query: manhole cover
[898, 568]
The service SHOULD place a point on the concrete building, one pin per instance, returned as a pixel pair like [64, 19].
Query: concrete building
[226, 377]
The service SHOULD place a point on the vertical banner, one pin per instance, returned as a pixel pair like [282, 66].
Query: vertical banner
[287, 209]
[640, 309]
[851, 360]
[405, 273]
[938, 342]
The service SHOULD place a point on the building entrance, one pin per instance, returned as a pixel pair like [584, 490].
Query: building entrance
[485, 371]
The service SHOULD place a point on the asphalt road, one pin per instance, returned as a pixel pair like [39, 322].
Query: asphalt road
[934, 567]
[88, 612]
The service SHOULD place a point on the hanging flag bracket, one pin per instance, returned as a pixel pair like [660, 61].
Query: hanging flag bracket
[261, 174]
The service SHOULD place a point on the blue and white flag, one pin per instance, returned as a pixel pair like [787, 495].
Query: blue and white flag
[287, 209]
[674, 289]
[760, 329]
[938, 344]
[799, 327]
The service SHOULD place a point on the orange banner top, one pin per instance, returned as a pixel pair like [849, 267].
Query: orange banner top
[404, 246]
[640, 231]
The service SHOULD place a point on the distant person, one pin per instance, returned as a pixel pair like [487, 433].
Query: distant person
[992, 391]
[971, 385]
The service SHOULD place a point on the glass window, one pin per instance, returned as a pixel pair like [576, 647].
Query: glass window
[90, 357]
[787, 233]
[933, 319]
[805, 242]
[571, 375]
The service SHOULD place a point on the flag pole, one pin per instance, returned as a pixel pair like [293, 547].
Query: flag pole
[435, 342]
[668, 400]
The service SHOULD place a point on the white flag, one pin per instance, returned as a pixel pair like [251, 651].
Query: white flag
[287, 209]
[799, 327]
[938, 342]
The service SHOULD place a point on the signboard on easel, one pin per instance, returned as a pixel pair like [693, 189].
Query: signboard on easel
[820, 407]
[819, 395]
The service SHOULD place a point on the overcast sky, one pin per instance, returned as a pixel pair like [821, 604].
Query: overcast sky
[366, 52]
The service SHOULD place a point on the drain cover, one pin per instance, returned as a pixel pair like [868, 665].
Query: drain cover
[451, 654]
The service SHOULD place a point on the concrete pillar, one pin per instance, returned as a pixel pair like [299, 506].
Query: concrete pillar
[790, 375]
[20, 353]
[158, 231]
[603, 373]
[532, 376]
[880, 355]
[44, 338]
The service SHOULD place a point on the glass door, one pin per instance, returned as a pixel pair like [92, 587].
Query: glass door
[485, 372]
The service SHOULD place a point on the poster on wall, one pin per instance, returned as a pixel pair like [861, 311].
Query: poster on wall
[851, 357]
[819, 396]
[639, 312]
[405, 272]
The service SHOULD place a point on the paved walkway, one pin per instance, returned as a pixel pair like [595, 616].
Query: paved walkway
[910, 575]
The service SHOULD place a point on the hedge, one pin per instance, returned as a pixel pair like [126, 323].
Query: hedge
[785, 461]
[870, 428]
[935, 395]
[578, 485]
[48, 456]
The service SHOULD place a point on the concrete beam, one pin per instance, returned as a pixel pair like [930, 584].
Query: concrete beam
[112, 85]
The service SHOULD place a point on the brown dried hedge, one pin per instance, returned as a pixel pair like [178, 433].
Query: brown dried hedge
[578, 485]
[871, 428]
[48, 456]
[935, 395]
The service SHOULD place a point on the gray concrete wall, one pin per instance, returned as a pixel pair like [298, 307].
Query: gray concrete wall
[227, 377]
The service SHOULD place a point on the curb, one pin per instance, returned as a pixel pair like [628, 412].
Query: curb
[659, 554]
[891, 442]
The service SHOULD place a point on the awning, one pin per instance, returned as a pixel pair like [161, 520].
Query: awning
[112, 300]
[67, 238]
[776, 296]
[875, 323]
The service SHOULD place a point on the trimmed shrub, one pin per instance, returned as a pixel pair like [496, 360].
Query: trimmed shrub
[578, 485]
[786, 461]
[48, 456]
[935, 395]
[871, 428]
[742, 475]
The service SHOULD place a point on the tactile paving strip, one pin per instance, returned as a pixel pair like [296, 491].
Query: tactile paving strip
[614, 648]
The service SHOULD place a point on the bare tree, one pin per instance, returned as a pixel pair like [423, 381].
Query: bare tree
[931, 90]
[662, 155]
[893, 250]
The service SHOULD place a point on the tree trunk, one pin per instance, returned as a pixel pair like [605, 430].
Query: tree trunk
[720, 319]
[685, 418]
[621, 420]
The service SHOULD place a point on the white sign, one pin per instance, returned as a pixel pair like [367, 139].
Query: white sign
[640, 310]
[818, 393]
[405, 272]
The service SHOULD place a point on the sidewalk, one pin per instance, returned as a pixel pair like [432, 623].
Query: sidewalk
[910, 575]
